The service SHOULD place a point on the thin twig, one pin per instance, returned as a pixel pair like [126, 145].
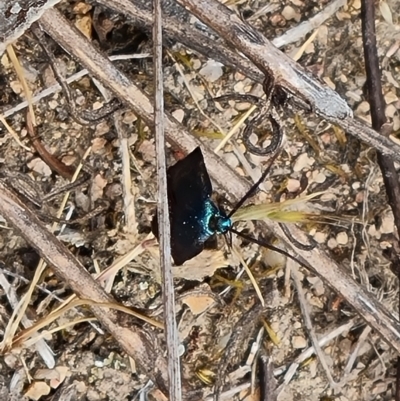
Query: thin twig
[377, 107]
[13, 133]
[308, 324]
[19, 17]
[301, 30]
[129, 191]
[41, 346]
[171, 330]
[55, 164]
[56, 87]
[310, 351]
[267, 380]
[21, 77]
[377, 103]
[355, 353]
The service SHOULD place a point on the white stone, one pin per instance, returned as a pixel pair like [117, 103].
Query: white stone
[320, 237]
[212, 70]
[178, 114]
[290, 13]
[332, 243]
[293, 185]
[342, 238]
[303, 161]
[299, 342]
[387, 226]
[320, 178]
[40, 167]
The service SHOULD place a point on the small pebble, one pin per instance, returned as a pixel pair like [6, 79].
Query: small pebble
[360, 197]
[181, 349]
[385, 245]
[293, 185]
[5, 62]
[387, 226]
[332, 243]
[326, 138]
[299, 342]
[320, 178]
[290, 13]
[353, 96]
[242, 106]
[323, 35]
[296, 325]
[390, 110]
[129, 117]
[391, 97]
[238, 76]
[277, 20]
[143, 286]
[320, 237]
[53, 104]
[313, 368]
[81, 100]
[317, 286]
[363, 108]
[178, 114]
[40, 167]
[10, 360]
[232, 160]
[396, 123]
[82, 8]
[342, 238]
[212, 70]
[239, 87]
[373, 232]
[16, 87]
[303, 161]
[196, 64]
[69, 160]
[98, 145]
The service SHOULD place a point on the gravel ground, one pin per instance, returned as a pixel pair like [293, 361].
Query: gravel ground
[317, 157]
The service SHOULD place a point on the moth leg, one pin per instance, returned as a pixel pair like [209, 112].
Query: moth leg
[295, 242]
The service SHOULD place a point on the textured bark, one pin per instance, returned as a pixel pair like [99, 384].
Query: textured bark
[17, 16]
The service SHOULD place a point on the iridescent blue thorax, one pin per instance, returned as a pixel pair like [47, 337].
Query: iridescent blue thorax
[207, 221]
[215, 220]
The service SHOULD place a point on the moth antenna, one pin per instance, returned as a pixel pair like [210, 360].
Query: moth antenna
[268, 246]
[254, 187]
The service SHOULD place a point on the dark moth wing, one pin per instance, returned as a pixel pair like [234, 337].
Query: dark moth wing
[189, 191]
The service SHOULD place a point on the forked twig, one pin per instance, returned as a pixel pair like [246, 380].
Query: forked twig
[310, 351]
